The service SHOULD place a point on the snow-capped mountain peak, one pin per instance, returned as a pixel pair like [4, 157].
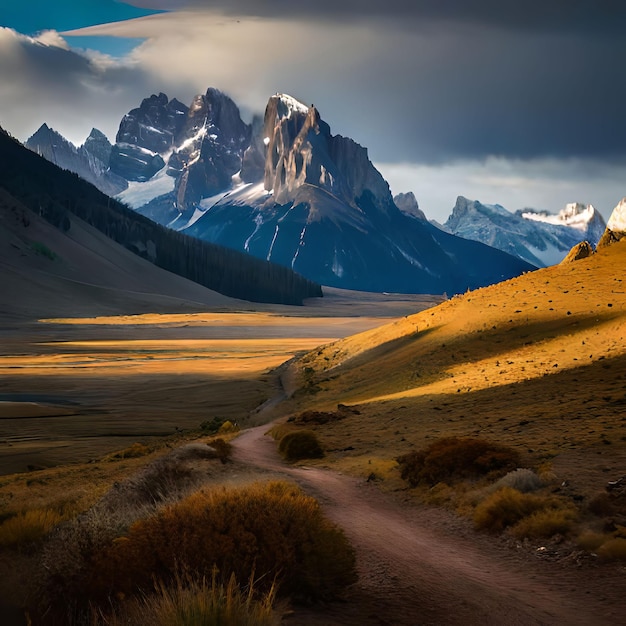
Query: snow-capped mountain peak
[288, 105]
[617, 221]
[536, 236]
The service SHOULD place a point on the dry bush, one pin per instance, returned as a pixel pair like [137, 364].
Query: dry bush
[507, 507]
[132, 452]
[545, 523]
[272, 529]
[608, 504]
[213, 425]
[228, 427]
[192, 602]
[299, 445]
[318, 417]
[521, 479]
[454, 458]
[69, 554]
[613, 549]
[591, 541]
[278, 431]
[222, 448]
[28, 527]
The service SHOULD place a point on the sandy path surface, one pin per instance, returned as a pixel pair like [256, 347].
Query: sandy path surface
[422, 566]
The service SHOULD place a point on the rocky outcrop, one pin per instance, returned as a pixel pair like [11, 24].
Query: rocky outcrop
[407, 203]
[134, 162]
[581, 250]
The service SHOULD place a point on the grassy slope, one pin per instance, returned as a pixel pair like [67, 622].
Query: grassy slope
[538, 362]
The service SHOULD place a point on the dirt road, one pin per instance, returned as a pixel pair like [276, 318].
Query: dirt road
[425, 567]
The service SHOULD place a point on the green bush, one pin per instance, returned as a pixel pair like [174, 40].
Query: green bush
[454, 458]
[300, 444]
[212, 426]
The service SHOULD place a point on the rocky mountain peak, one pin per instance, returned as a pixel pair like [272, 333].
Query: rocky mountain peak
[98, 145]
[90, 161]
[210, 150]
[407, 203]
[154, 125]
[297, 149]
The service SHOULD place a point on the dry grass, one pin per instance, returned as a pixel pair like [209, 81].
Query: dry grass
[528, 515]
[536, 363]
[28, 527]
[198, 602]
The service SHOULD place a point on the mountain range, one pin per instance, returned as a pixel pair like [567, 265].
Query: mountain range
[285, 189]
[35, 190]
[538, 237]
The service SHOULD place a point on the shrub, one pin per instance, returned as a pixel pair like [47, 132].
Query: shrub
[212, 426]
[273, 529]
[28, 527]
[278, 431]
[222, 448]
[507, 507]
[613, 549]
[591, 541]
[545, 523]
[228, 427]
[300, 444]
[521, 479]
[318, 417]
[454, 458]
[132, 452]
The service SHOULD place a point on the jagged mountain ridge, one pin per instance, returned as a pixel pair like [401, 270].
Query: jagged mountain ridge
[537, 237]
[59, 195]
[90, 161]
[286, 189]
[322, 208]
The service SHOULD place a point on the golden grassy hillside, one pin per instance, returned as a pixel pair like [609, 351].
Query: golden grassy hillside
[537, 362]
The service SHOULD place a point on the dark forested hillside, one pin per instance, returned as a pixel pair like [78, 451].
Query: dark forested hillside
[55, 194]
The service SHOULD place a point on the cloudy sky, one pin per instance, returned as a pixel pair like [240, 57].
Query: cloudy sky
[519, 103]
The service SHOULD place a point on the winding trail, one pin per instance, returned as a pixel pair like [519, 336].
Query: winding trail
[413, 571]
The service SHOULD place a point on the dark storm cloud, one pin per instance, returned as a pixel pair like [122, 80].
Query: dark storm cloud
[41, 79]
[555, 15]
[462, 78]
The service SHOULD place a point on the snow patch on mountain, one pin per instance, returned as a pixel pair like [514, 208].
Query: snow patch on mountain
[291, 105]
[139, 193]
